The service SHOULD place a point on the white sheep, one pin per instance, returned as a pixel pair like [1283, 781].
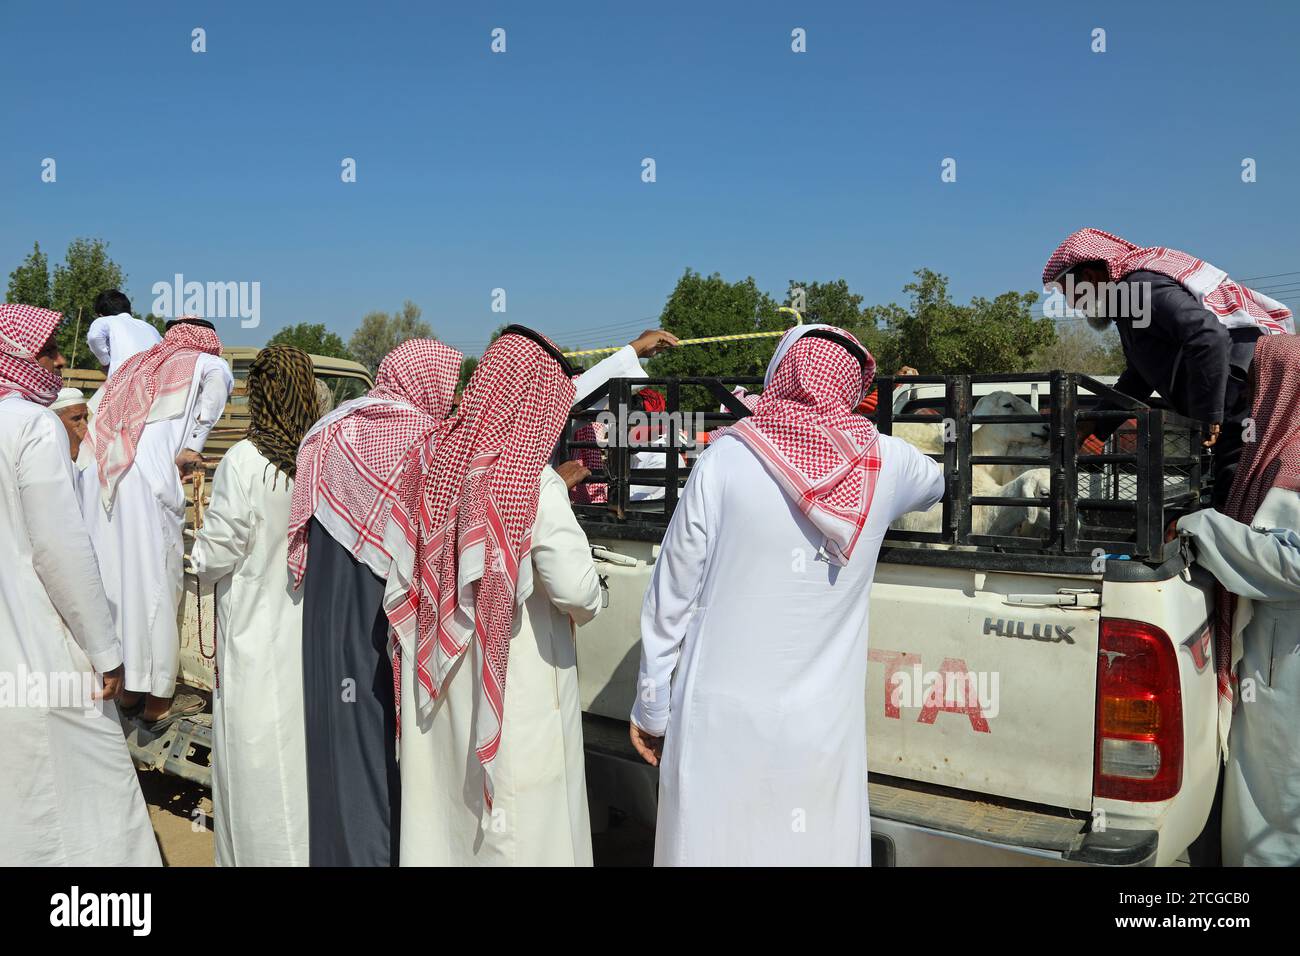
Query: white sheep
[1013, 520]
[1027, 438]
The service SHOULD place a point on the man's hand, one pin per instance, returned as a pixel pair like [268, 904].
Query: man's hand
[188, 462]
[653, 341]
[112, 684]
[647, 744]
[1214, 435]
[573, 472]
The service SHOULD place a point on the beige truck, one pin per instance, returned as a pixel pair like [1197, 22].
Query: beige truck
[184, 749]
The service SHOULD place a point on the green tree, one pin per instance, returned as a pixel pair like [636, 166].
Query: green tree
[29, 284]
[314, 339]
[938, 336]
[832, 303]
[1078, 348]
[85, 273]
[828, 302]
[467, 367]
[380, 333]
[700, 306]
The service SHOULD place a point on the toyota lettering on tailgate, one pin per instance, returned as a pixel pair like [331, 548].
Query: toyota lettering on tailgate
[953, 689]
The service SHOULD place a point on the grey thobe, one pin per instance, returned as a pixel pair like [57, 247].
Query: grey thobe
[353, 789]
[1260, 563]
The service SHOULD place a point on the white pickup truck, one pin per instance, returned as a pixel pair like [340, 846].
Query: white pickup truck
[1087, 735]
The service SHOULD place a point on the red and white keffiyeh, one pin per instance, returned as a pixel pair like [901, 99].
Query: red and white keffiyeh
[151, 386]
[24, 331]
[1271, 461]
[592, 492]
[804, 430]
[1233, 304]
[358, 466]
[475, 525]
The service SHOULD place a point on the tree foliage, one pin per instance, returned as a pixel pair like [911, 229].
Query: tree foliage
[312, 338]
[938, 337]
[933, 333]
[29, 284]
[1078, 348]
[702, 306]
[467, 367]
[380, 333]
[85, 272]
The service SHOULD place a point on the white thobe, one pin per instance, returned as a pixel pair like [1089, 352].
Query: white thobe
[754, 663]
[139, 544]
[622, 364]
[1260, 563]
[539, 813]
[69, 794]
[115, 338]
[259, 757]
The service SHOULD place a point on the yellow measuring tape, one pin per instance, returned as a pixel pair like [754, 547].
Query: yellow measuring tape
[710, 338]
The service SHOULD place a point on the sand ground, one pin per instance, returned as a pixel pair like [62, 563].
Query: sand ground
[182, 821]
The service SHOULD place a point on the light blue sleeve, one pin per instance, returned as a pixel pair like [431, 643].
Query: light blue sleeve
[1260, 561]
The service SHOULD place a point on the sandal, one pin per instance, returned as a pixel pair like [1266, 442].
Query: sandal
[182, 705]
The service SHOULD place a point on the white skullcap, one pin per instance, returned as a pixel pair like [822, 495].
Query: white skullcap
[67, 398]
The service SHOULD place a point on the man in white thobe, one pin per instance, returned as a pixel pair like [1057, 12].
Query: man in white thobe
[149, 431]
[69, 795]
[751, 694]
[116, 334]
[259, 754]
[493, 772]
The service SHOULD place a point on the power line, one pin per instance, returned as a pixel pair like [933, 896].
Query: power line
[1276, 285]
[1273, 276]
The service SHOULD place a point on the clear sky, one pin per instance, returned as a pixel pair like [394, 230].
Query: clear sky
[522, 170]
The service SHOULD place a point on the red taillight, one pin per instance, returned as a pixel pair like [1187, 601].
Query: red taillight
[1139, 714]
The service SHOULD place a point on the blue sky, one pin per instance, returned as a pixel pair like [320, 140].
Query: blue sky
[523, 170]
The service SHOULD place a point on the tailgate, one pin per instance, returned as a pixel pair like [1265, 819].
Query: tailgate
[966, 689]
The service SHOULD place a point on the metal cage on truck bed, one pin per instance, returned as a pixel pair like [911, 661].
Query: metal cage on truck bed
[1116, 502]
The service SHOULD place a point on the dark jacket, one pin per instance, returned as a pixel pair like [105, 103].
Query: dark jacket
[1183, 353]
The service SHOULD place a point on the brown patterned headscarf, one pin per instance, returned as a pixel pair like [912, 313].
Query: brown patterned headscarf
[282, 404]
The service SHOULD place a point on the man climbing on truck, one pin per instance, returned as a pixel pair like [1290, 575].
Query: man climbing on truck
[1187, 329]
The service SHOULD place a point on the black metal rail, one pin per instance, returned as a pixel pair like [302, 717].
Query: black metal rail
[1119, 502]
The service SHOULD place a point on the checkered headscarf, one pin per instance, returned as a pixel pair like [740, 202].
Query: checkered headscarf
[804, 430]
[1230, 302]
[476, 517]
[360, 461]
[24, 331]
[149, 386]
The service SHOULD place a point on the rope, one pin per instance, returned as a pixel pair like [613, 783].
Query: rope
[710, 338]
[200, 479]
